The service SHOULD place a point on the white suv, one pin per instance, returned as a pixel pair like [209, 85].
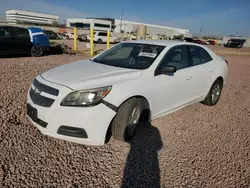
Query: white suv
[101, 37]
[129, 84]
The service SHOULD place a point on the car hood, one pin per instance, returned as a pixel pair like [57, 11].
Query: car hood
[87, 74]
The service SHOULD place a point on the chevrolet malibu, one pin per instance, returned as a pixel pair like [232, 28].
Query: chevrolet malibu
[125, 86]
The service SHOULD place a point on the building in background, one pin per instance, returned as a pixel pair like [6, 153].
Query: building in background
[33, 18]
[124, 26]
[89, 23]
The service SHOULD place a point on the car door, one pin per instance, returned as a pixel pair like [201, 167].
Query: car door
[171, 90]
[5, 40]
[20, 39]
[201, 68]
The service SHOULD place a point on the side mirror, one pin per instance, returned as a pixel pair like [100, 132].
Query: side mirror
[167, 70]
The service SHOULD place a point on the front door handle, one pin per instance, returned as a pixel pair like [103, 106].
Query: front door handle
[188, 77]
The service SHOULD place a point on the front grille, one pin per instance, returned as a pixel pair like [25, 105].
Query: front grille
[45, 88]
[40, 100]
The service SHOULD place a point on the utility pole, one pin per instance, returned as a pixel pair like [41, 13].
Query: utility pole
[121, 20]
[201, 28]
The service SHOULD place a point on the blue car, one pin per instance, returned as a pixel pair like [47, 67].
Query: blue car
[18, 40]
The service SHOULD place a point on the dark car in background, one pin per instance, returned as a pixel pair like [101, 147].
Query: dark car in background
[82, 37]
[51, 34]
[235, 43]
[18, 40]
[188, 39]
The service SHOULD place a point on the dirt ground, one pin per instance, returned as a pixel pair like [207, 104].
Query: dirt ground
[198, 146]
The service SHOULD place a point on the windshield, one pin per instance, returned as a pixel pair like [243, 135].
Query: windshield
[130, 55]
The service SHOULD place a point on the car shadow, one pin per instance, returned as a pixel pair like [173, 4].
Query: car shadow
[142, 165]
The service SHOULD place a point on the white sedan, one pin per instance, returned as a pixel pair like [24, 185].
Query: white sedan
[129, 84]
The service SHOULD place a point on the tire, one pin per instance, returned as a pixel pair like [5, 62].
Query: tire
[37, 51]
[214, 93]
[130, 115]
[99, 41]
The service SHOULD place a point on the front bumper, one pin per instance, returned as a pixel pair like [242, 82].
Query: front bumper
[93, 120]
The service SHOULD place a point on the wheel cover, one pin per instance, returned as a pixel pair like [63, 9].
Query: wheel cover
[37, 50]
[215, 93]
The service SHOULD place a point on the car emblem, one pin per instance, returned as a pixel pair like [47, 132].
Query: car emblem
[37, 91]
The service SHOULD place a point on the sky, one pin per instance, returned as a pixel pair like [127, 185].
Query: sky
[217, 17]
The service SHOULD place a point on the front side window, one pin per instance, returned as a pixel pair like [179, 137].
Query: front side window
[176, 57]
[199, 55]
[130, 55]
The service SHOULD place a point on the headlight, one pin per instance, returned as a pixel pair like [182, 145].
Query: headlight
[86, 97]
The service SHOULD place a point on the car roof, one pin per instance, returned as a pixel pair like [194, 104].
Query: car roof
[160, 42]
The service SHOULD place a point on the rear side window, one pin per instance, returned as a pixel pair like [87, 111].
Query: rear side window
[4, 31]
[199, 55]
[102, 34]
[19, 31]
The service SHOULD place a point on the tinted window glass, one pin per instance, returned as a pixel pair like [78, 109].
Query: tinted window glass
[19, 31]
[102, 34]
[176, 57]
[130, 55]
[4, 31]
[199, 55]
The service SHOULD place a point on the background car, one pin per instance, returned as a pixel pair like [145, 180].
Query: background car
[18, 40]
[61, 35]
[235, 43]
[101, 37]
[51, 34]
[69, 35]
[211, 42]
[82, 37]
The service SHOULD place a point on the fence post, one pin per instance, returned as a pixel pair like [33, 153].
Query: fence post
[108, 39]
[91, 42]
[75, 41]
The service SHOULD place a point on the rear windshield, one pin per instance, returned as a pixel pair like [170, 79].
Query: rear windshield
[130, 55]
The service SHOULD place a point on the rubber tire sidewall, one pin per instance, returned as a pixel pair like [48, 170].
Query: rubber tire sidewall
[99, 41]
[120, 123]
[208, 99]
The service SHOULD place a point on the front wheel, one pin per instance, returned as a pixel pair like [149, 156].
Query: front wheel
[214, 93]
[37, 51]
[130, 114]
[99, 41]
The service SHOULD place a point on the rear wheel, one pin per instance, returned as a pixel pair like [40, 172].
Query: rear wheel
[214, 93]
[37, 51]
[130, 115]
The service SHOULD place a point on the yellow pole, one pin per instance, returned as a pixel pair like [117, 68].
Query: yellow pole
[75, 37]
[108, 39]
[91, 42]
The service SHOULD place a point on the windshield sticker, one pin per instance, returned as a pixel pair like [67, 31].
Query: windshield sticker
[146, 54]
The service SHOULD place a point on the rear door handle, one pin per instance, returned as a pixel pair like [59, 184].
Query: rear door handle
[188, 77]
[211, 70]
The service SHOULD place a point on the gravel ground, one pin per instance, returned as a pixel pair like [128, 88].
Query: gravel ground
[198, 146]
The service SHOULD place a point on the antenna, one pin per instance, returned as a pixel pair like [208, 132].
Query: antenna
[121, 20]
